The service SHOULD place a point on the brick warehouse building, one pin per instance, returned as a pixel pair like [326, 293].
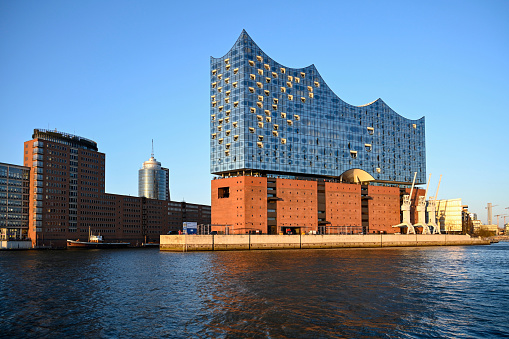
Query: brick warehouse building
[67, 198]
[290, 155]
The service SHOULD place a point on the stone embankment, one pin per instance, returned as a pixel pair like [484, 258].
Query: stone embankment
[185, 243]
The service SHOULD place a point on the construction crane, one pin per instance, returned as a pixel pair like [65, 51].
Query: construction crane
[497, 215]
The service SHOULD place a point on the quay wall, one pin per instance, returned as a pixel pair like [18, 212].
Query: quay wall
[186, 243]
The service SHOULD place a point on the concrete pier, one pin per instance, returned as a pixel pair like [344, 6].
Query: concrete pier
[186, 243]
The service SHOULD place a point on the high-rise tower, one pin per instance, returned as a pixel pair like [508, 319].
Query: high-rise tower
[154, 180]
[65, 171]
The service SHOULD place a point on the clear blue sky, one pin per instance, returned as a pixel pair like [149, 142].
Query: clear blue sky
[125, 72]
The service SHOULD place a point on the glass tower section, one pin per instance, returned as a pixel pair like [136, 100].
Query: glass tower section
[153, 180]
[14, 201]
[272, 119]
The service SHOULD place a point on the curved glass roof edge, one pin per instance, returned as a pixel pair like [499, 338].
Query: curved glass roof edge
[307, 68]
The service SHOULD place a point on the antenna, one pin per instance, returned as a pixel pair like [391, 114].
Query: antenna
[152, 148]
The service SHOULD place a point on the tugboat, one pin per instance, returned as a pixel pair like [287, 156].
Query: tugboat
[95, 241]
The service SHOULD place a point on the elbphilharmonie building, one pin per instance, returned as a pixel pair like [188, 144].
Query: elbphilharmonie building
[271, 119]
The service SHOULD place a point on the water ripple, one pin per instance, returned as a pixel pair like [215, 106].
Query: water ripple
[437, 292]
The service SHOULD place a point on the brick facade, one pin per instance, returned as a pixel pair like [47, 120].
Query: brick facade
[277, 205]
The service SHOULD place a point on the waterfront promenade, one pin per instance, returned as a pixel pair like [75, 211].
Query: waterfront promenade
[185, 243]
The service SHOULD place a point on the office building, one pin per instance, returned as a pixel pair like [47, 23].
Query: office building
[286, 150]
[154, 180]
[67, 197]
[14, 202]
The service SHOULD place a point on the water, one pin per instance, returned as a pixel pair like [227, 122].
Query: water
[437, 292]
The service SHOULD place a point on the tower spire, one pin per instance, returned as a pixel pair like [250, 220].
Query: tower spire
[152, 148]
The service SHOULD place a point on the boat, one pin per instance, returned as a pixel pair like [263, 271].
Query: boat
[95, 241]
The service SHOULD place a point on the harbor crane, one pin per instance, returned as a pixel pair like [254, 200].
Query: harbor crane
[421, 211]
[405, 209]
[432, 211]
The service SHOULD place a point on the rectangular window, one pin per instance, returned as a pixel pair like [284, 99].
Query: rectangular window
[223, 192]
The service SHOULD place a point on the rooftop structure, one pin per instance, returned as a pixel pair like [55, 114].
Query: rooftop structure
[65, 138]
[270, 119]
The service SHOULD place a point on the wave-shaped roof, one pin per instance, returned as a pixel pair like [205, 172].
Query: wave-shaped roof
[244, 37]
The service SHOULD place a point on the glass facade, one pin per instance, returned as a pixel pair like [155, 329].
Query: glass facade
[272, 119]
[153, 181]
[14, 201]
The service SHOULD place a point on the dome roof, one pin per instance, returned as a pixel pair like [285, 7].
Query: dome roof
[356, 175]
[152, 163]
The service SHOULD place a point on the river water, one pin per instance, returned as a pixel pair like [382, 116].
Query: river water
[437, 292]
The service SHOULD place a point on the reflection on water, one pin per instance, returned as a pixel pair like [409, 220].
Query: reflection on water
[449, 292]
